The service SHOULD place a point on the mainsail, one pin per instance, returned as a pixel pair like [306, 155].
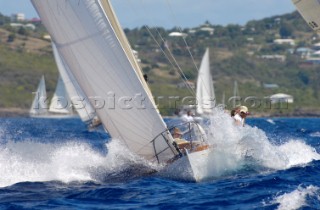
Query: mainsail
[76, 94]
[60, 102]
[205, 90]
[39, 105]
[90, 41]
[309, 10]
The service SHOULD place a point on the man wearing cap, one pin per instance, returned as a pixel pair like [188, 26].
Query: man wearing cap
[240, 115]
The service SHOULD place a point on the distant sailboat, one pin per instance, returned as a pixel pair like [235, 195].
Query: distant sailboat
[60, 102]
[205, 90]
[309, 10]
[77, 97]
[92, 44]
[59, 106]
[39, 105]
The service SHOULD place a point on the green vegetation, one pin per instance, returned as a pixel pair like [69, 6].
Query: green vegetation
[235, 53]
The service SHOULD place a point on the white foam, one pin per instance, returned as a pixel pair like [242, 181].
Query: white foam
[315, 134]
[237, 146]
[295, 199]
[270, 121]
[71, 161]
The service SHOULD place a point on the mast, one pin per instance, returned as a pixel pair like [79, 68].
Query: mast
[94, 50]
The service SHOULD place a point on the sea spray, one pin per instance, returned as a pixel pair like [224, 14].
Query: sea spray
[69, 161]
[297, 198]
[236, 147]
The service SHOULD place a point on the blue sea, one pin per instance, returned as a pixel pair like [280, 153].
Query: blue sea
[58, 164]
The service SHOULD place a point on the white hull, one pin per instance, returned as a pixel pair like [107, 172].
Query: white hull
[191, 167]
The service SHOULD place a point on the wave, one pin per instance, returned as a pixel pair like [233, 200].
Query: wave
[238, 147]
[297, 198]
[30, 161]
[234, 149]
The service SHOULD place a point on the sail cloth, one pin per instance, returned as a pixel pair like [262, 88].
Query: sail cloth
[309, 10]
[40, 104]
[60, 102]
[91, 48]
[78, 99]
[205, 90]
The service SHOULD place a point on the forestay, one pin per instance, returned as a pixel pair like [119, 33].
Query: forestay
[76, 94]
[310, 11]
[205, 90]
[91, 45]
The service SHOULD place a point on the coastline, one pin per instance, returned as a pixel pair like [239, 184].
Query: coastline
[14, 112]
[20, 112]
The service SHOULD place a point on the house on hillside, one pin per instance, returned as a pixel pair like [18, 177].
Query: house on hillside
[281, 58]
[178, 34]
[281, 98]
[208, 29]
[18, 17]
[270, 86]
[304, 52]
[284, 41]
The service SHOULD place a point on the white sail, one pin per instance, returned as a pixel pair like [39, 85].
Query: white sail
[205, 90]
[309, 10]
[60, 102]
[39, 105]
[89, 40]
[75, 93]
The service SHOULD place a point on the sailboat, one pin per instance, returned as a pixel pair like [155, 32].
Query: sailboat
[77, 97]
[91, 42]
[205, 89]
[60, 102]
[309, 10]
[39, 105]
[59, 105]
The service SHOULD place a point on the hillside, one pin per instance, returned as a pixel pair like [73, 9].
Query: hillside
[242, 53]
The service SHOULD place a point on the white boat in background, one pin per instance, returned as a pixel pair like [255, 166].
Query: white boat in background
[309, 10]
[39, 105]
[89, 39]
[205, 90]
[60, 102]
[77, 97]
[59, 105]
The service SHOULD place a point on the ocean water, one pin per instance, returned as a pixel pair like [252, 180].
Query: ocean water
[57, 164]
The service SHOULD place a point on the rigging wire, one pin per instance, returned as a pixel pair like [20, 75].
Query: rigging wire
[173, 62]
[185, 41]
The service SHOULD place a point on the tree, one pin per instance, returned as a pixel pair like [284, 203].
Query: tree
[286, 30]
[11, 38]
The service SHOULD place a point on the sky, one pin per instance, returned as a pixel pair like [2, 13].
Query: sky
[170, 13]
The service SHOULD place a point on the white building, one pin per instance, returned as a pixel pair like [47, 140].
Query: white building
[284, 41]
[281, 98]
[178, 34]
[18, 17]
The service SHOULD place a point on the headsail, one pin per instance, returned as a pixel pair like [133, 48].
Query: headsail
[40, 104]
[205, 90]
[309, 10]
[78, 98]
[92, 47]
[60, 102]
